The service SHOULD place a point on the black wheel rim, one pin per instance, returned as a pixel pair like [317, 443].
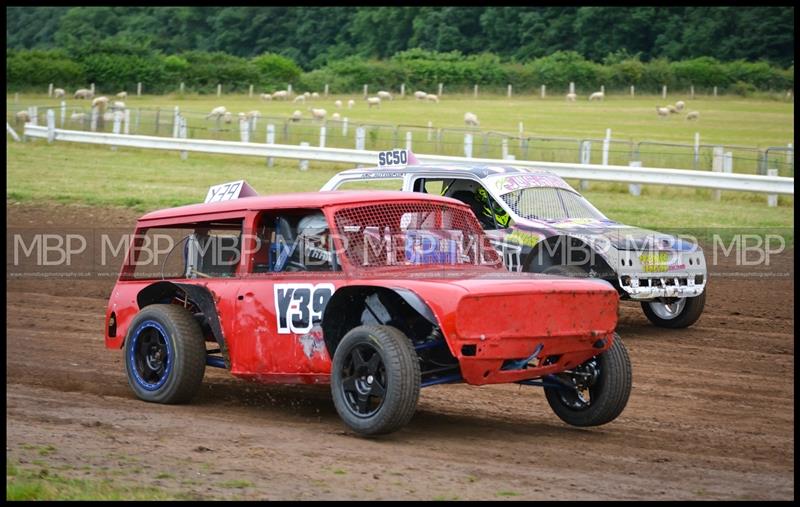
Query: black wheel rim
[150, 355]
[585, 379]
[363, 383]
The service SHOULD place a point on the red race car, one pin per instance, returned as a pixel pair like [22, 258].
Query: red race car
[377, 293]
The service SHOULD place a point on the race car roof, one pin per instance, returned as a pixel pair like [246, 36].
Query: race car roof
[479, 170]
[296, 200]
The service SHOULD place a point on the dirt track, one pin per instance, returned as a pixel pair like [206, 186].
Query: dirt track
[710, 415]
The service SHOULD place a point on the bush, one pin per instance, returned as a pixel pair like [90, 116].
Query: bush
[703, 72]
[743, 89]
[38, 69]
[276, 70]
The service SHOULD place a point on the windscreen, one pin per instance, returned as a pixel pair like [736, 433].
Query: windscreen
[549, 203]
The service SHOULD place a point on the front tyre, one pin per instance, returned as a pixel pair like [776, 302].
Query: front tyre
[676, 313]
[601, 387]
[375, 379]
[165, 354]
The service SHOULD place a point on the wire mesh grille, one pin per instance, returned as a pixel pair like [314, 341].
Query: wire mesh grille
[546, 203]
[408, 233]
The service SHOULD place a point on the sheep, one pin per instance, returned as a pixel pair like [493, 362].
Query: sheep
[597, 95]
[108, 116]
[672, 109]
[122, 95]
[571, 97]
[266, 96]
[296, 115]
[100, 102]
[680, 105]
[335, 117]
[217, 112]
[338, 104]
[76, 116]
[662, 111]
[351, 103]
[307, 95]
[253, 114]
[314, 95]
[318, 114]
[420, 95]
[432, 98]
[281, 95]
[374, 101]
[693, 115]
[117, 105]
[300, 98]
[83, 93]
[228, 117]
[471, 119]
[58, 93]
[23, 116]
[385, 95]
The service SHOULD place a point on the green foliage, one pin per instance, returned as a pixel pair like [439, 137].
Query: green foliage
[704, 71]
[276, 70]
[39, 68]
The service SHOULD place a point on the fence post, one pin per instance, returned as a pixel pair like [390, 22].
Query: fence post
[244, 129]
[468, 145]
[475, 92]
[92, 89]
[117, 126]
[696, 150]
[402, 90]
[50, 91]
[219, 89]
[408, 140]
[509, 91]
[158, 119]
[51, 125]
[175, 119]
[664, 91]
[633, 91]
[136, 123]
[544, 89]
[572, 87]
[715, 91]
[606, 144]
[127, 129]
[366, 90]
[253, 124]
[183, 132]
[504, 149]
[322, 136]
[691, 92]
[289, 90]
[430, 130]
[139, 89]
[326, 89]
[772, 199]
[16, 97]
[603, 89]
[93, 124]
[344, 126]
[63, 113]
[360, 140]
[182, 85]
[251, 92]
[635, 189]
[34, 115]
[304, 163]
[270, 140]
[717, 166]
[12, 132]
[790, 157]
[586, 156]
[441, 88]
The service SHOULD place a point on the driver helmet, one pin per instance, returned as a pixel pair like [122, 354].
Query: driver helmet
[491, 207]
[312, 232]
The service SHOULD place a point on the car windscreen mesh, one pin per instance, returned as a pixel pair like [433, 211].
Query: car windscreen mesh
[548, 203]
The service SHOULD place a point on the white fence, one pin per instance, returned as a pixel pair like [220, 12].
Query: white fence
[611, 173]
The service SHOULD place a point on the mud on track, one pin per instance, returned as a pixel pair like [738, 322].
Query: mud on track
[710, 415]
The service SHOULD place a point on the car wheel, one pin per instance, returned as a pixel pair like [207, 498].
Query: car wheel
[375, 379]
[165, 354]
[566, 270]
[678, 313]
[595, 392]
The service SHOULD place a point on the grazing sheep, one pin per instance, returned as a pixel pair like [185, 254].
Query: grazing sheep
[117, 105]
[471, 119]
[315, 95]
[58, 93]
[253, 114]
[351, 103]
[281, 95]
[672, 109]
[662, 111]
[338, 104]
[374, 101]
[432, 98]
[597, 96]
[76, 116]
[83, 93]
[22, 117]
[693, 115]
[228, 117]
[300, 98]
[385, 95]
[266, 96]
[318, 114]
[122, 95]
[100, 102]
[419, 95]
[571, 97]
[108, 116]
[296, 115]
[307, 95]
[335, 117]
[217, 112]
[680, 105]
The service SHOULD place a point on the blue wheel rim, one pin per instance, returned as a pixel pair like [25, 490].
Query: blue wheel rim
[150, 355]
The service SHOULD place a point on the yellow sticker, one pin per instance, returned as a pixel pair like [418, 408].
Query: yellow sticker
[654, 262]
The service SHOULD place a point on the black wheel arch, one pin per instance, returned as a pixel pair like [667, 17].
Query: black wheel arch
[551, 252]
[163, 292]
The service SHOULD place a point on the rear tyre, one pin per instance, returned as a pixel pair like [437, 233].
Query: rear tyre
[165, 354]
[683, 312]
[375, 379]
[602, 387]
